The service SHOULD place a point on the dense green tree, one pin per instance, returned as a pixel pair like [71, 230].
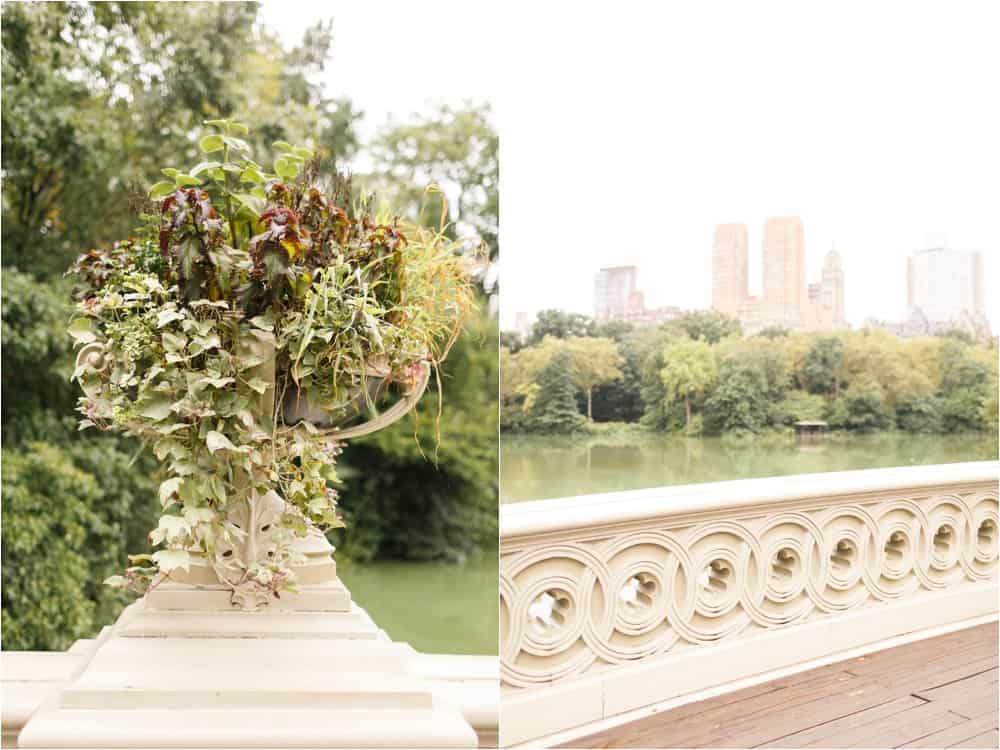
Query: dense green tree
[554, 408]
[689, 369]
[797, 406]
[738, 401]
[594, 361]
[821, 371]
[966, 386]
[860, 407]
[919, 415]
[408, 496]
[706, 325]
[560, 325]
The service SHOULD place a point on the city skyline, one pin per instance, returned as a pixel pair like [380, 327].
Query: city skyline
[894, 287]
[873, 151]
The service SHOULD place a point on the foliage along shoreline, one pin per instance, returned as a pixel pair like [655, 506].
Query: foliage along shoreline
[697, 375]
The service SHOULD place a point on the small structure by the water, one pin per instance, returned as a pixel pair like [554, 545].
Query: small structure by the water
[811, 431]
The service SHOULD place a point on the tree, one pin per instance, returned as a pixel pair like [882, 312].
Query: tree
[554, 408]
[689, 370]
[594, 361]
[861, 407]
[561, 325]
[97, 96]
[739, 399]
[967, 384]
[706, 325]
[821, 370]
[456, 148]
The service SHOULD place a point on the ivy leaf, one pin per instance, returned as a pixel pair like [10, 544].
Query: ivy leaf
[236, 143]
[165, 317]
[216, 441]
[161, 189]
[81, 331]
[199, 515]
[282, 146]
[157, 409]
[212, 143]
[204, 166]
[167, 490]
[169, 529]
[305, 153]
[285, 168]
[265, 322]
[117, 582]
[185, 180]
[257, 385]
[251, 175]
[171, 559]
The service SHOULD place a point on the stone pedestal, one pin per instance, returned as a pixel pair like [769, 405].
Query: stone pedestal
[183, 668]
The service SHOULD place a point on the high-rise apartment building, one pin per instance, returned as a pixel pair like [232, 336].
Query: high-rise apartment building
[729, 268]
[784, 297]
[786, 302]
[613, 289]
[831, 294]
[943, 284]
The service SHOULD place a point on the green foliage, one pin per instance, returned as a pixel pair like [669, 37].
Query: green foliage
[919, 415]
[798, 406]
[423, 501]
[554, 409]
[967, 384]
[689, 369]
[861, 407]
[823, 363]
[738, 401]
[64, 531]
[705, 325]
[187, 335]
[458, 150]
[933, 384]
[98, 95]
[560, 325]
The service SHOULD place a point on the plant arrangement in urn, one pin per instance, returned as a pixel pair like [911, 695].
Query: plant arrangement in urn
[254, 316]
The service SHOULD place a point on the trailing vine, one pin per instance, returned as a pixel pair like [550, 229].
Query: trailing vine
[235, 268]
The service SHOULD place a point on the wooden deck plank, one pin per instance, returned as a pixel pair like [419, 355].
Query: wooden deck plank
[958, 733]
[986, 739]
[898, 729]
[822, 730]
[943, 687]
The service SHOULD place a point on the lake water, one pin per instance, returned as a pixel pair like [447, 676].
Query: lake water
[437, 608]
[539, 467]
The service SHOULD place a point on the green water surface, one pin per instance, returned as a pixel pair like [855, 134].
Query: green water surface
[540, 467]
[436, 607]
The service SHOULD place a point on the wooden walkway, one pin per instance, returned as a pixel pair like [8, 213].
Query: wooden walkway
[936, 693]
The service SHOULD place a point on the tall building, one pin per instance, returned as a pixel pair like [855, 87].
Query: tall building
[617, 298]
[613, 289]
[831, 293]
[729, 268]
[784, 297]
[943, 284]
[786, 302]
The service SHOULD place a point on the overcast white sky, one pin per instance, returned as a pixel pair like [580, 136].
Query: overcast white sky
[629, 130]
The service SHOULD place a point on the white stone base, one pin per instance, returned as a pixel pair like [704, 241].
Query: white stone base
[186, 673]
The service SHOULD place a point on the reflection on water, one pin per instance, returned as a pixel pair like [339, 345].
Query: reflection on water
[534, 468]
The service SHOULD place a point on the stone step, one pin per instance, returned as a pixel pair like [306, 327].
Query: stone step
[440, 727]
[153, 623]
[327, 597]
[207, 688]
[179, 656]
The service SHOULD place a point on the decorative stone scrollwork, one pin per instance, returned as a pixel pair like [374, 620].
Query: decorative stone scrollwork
[580, 601]
[234, 562]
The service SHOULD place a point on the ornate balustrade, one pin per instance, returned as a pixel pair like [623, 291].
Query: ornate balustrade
[609, 603]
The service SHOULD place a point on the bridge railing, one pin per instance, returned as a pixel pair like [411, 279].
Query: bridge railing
[610, 603]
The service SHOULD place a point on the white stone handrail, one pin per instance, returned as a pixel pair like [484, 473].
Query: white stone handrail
[612, 602]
